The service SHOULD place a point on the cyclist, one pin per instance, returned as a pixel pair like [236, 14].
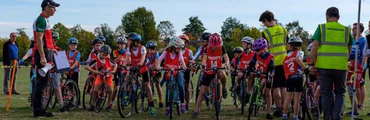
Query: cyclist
[245, 59]
[265, 65]
[96, 43]
[235, 63]
[137, 53]
[188, 58]
[119, 56]
[174, 59]
[293, 69]
[212, 57]
[153, 56]
[204, 38]
[104, 67]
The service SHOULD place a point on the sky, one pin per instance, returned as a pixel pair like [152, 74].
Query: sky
[91, 13]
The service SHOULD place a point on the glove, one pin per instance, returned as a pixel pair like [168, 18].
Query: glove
[122, 51]
[20, 62]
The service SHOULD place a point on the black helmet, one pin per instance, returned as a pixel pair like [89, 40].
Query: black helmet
[238, 49]
[105, 49]
[96, 40]
[205, 36]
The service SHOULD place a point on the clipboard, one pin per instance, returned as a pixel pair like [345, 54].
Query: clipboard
[61, 62]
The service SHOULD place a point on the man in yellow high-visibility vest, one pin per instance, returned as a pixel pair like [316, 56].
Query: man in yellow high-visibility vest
[277, 37]
[329, 54]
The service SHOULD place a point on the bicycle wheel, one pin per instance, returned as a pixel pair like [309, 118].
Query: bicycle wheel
[86, 95]
[124, 107]
[197, 89]
[140, 99]
[252, 104]
[53, 102]
[102, 96]
[46, 96]
[243, 100]
[191, 87]
[216, 101]
[236, 99]
[303, 108]
[313, 110]
[170, 98]
[70, 94]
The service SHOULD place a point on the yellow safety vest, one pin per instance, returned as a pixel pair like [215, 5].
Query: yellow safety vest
[333, 50]
[276, 37]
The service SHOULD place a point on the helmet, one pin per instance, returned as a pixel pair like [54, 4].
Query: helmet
[55, 35]
[309, 47]
[96, 40]
[72, 40]
[32, 39]
[105, 49]
[215, 40]
[121, 40]
[102, 38]
[295, 41]
[248, 39]
[238, 49]
[184, 37]
[176, 42]
[259, 44]
[134, 36]
[151, 44]
[205, 36]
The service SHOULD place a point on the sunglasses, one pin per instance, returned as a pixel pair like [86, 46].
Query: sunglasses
[14, 36]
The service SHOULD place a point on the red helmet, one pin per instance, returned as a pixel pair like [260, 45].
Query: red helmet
[184, 37]
[215, 40]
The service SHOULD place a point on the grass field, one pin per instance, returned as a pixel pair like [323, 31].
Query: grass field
[20, 108]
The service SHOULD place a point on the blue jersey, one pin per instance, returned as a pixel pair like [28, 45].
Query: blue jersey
[361, 48]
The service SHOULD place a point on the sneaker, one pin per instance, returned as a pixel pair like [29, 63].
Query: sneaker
[160, 105]
[295, 118]
[183, 109]
[368, 114]
[269, 116]
[247, 96]
[16, 93]
[224, 93]
[285, 117]
[278, 113]
[109, 108]
[152, 111]
[91, 108]
[44, 114]
[350, 114]
[62, 109]
[195, 115]
[167, 111]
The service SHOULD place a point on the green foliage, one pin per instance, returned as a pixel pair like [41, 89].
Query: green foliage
[141, 21]
[64, 34]
[296, 30]
[2, 41]
[23, 42]
[229, 25]
[107, 32]
[85, 38]
[195, 27]
[166, 30]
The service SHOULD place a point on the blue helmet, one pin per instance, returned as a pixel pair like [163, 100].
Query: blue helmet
[151, 44]
[134, 36]
[102, 38]
[73, 40]
[95, 41]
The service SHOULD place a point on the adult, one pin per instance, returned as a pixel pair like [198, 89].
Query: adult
[277, 37]
[10, 53]
[366, 54]
[329, 54]
[43, 54]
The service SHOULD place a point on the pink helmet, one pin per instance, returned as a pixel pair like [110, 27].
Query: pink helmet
[215, 40]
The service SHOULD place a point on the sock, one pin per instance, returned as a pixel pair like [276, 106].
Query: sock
[295, 117]
[285, 115]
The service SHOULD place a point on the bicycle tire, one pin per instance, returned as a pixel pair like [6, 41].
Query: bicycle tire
[312, 109]
[170, 98]
[101, 99]
[53, 101]
[140, 99]
[120, 100]
[243, 100]
[216, 101]
[71, 102]
[191, 87]
[252, 104]
[236, 100]
[86, 96]
[46, 96]
[197, 89]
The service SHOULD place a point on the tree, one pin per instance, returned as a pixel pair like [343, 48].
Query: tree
[85, 38]
[64, 35]
[294, 29]
[2, 41]
[142, 22]
[229, 25]
[253, 32]
[195, 27]
[23, 42]
[107, 32]
[166, 30]
[119, 31]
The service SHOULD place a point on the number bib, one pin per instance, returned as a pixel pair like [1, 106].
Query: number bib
[290, 65]
[214, 59]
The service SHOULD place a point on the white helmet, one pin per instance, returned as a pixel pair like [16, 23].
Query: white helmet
[121, 40]
[248, 39]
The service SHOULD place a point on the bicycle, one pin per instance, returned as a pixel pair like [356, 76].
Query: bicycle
[70, 93]
[241, 97]
[234, 94]
[310, 107]
[197, 89]
[102, 94]
[132, 94]
[192, 69]
[88, 90]
[257, 101]
[47, 94]
[215, 91]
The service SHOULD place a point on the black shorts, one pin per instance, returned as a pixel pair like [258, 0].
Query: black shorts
[117, 81]
[187, 76]
[145, 76]
[207, 79]
[279, 78]
[295, 84]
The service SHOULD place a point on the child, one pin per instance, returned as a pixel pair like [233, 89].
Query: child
[173, 59]
[212, 57]
[153, 56]
[119, 56]
[96, 43]
[74, 61]
[234, 64]
[188, 58]
[137, 53]
[104, 67]
[265, 65]
[245, 59]
[293, 68]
